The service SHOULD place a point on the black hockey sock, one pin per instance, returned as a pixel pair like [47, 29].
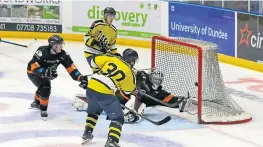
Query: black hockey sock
[43, 104]
[115, 130]
[91, 121]
[43, 107]
[37, 99]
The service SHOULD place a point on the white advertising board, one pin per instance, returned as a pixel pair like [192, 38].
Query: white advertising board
[134, 19]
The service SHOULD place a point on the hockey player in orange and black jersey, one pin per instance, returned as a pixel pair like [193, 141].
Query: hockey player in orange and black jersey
[153, 87]
[102, 36]
[42, 68]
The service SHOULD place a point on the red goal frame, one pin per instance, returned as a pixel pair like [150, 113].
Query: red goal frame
[200, 68]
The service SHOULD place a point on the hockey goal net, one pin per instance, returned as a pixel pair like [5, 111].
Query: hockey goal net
[192, 66]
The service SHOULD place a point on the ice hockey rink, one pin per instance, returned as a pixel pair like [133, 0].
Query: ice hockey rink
[22, 127]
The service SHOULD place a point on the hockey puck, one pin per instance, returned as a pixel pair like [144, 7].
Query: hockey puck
[196, 84]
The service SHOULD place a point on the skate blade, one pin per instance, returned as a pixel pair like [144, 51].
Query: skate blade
[88, 141]
[44, 118]
[33, 108]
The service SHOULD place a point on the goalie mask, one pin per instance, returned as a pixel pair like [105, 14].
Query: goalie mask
[156, 77]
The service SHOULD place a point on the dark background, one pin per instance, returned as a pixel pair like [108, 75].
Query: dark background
[255, 24]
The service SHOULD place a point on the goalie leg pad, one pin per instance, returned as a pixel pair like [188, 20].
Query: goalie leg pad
[80, 102]
[135, 104]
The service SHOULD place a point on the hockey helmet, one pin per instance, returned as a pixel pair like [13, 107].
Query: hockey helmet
[156, 77]
[55, 39]
[109, 11]
[130, 56]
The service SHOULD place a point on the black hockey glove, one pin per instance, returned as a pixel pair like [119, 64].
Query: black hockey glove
[103, 47]
[138, 92]
[83, 82]
[50, 74]
[141, 76]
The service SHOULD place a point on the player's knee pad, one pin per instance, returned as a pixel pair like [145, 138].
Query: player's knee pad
[119, 119]
[115, 112]
[44, 91]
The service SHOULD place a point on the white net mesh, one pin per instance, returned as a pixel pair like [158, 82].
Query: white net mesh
[180, 60]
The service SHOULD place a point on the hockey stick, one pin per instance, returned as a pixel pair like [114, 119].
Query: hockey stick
[166, 104]
[158, 123]
[21, 45]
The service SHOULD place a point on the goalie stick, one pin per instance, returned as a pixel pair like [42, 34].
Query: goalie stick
[163, 103]
[17, 44]
[158, 123]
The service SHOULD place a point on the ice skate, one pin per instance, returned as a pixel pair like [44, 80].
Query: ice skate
[111, 143]
[44, 115]
[87, 137]
[35, 105]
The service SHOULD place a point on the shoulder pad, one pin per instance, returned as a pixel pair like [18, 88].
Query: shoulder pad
[44, 48]
[114, 28]
[41, 52]
[96, 22]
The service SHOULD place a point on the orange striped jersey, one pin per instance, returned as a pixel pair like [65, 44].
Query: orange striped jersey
[43, 60]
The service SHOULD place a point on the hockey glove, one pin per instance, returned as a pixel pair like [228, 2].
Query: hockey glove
[103, 47]
[84, 82]
[141, 76]
[50, 74]
[138, 92]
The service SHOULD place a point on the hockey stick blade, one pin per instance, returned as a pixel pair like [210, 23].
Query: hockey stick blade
[158, 123]
[17, 44]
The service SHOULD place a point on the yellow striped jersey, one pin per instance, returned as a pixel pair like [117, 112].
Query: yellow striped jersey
[100, 34]
[114, 74]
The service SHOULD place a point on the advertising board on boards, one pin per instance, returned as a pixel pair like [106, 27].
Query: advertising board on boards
[31, 16]
[140, 20]
[203, 23]
[250, 37]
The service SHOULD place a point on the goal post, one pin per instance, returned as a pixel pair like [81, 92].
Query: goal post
[191, 66]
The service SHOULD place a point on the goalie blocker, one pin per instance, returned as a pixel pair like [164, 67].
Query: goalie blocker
[149, 83]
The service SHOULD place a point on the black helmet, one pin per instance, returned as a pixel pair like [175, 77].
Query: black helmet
[109, 10]
[130, 56]
[55, 39]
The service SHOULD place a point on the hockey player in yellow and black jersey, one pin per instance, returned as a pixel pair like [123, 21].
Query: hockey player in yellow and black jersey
[115, 76]
[102, 35]
[42, 68]
[149, 83]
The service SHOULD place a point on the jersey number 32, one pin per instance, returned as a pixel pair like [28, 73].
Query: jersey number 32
[113, 72]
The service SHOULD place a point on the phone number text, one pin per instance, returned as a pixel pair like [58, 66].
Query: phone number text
[30, 27]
